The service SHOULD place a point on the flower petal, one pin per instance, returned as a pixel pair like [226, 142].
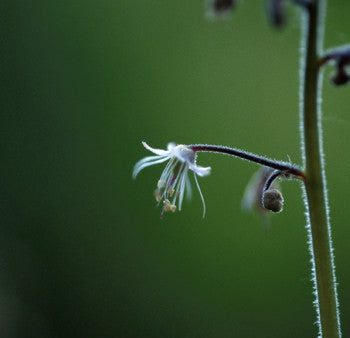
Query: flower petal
[188, 188]
[140, 165]
[200, 171]
[182, 186]
[149, 159]
[167, 170]
[200, 193]
[159, 152]
[171, 146]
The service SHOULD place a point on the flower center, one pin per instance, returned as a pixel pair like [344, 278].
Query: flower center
[184, 154]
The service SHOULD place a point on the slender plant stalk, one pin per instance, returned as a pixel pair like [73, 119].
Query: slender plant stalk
[280, 166]
[319, 230]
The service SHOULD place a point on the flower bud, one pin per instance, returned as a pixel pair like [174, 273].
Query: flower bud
[273, 200]
[219, 8]
[252, 198]
[277, 12]
[340, 77]
[340, 57]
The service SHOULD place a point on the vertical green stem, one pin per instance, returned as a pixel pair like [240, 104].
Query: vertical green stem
[315, 184]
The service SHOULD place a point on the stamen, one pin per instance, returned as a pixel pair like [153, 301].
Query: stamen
[168, 207]
[158, 195]
[177, 182]
[161, 184]
[182, 187]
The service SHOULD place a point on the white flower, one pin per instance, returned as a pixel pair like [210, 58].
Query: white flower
[174, 180]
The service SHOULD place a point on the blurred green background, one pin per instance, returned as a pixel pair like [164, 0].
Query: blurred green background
[83, 251]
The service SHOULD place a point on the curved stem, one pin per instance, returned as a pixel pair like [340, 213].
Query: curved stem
[319, 230]
[284, 167]
[271, 179]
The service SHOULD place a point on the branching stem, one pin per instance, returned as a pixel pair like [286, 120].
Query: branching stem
[319, 230]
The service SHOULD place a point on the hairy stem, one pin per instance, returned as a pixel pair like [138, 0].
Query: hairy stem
[283, 167]
[319, 229]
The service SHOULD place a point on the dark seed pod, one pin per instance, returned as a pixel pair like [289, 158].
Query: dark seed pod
[273, 200]
[340, 77]
[276, 12]
[223, 5]
[340, 57]
[218, 8]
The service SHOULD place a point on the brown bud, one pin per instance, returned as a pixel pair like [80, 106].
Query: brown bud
[220, 7]
[273, 200]
[277, 12]
[340, 77]
[341, 60]
[252, 198]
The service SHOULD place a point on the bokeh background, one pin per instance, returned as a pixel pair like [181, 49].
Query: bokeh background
[83, 251]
